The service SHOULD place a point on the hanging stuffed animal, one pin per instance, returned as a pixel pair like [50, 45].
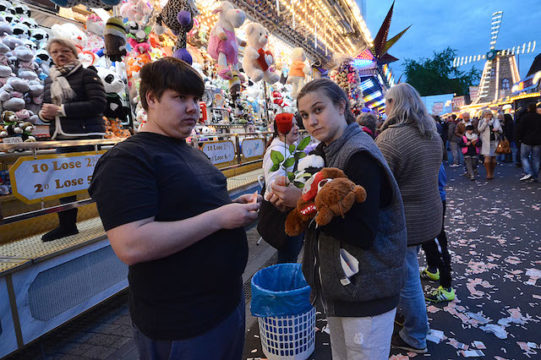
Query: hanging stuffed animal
[297, 71]
[223, 44]
[178, 16]
[115, 39]
[136, 10]
[257, 62]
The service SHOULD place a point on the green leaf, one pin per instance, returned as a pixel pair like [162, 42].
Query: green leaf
[275, 167]
[298, 184]
[291, 148]
[299, 155]
[290, 176]
[289, 162]
[304, 143]
[276, 157]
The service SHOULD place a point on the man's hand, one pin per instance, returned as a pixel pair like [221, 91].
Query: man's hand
[254, 198]
[49, 111]
[235, 215]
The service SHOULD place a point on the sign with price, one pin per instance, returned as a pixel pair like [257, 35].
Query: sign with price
[253, 148]
[48, 177]
[219, 151]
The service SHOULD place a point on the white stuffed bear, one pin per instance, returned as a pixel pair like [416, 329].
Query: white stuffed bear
[257, 62]
[298, 70]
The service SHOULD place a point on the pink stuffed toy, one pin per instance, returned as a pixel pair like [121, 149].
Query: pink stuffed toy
[223, 44]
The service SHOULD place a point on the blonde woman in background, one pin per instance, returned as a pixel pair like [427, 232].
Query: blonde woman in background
[490, 131]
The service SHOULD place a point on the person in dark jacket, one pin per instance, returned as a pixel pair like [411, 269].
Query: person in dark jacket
[73, 103]
[359, 300]
[508, 132]
[529, 134]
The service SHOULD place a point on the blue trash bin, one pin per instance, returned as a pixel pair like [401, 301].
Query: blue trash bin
[281, 301]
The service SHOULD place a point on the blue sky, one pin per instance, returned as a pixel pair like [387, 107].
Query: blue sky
[463, 25]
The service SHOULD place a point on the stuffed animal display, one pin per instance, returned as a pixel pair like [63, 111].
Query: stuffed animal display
[223, 44]
[327, 194]
[136, 10]
[298, 71]
[258, 62]
[178, 15]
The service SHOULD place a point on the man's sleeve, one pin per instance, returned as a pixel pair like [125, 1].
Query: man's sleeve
[124, 188]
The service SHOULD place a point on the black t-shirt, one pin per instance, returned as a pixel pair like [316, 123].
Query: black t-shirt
[187, 293]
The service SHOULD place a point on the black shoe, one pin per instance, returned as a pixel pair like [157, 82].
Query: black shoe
[58, 233]
[398, 343]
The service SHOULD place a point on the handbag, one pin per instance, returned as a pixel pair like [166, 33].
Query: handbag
[503, 147]
[271, 225]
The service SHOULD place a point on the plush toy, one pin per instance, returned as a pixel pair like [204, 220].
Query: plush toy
[135, 10]
[223, 44]
[12, 94]
[327, 194]
[138, 37]
[94, 24]
[297, 71]
[72, 32]
[178, 16]
[115, 39]
[114, 88]
[5, 74]
[257, 61]
[5, 28]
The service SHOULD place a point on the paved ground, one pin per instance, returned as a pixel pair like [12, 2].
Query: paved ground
[493, 228]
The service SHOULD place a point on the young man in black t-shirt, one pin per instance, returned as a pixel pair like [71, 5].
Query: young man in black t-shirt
[168, 215]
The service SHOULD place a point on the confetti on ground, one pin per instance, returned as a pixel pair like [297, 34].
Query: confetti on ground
[496, 330]
[436, 336]
[472, 353]
[479, 345]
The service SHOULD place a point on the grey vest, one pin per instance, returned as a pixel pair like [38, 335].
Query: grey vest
[381, 266]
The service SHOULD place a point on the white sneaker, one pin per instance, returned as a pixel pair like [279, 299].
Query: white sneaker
[526, 177]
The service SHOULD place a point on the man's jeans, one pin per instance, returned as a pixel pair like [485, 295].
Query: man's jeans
[455, 152]
[224, 342]
[530, 165]
[412, 302]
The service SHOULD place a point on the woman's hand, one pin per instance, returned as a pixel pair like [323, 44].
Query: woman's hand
[49, 111]
[287, 195]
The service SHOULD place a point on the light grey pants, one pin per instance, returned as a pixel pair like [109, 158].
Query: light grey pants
[361, 337]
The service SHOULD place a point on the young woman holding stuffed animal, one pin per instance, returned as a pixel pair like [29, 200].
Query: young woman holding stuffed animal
[354, 264]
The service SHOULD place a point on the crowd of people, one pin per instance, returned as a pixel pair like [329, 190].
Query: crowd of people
[168, 215]
[493, 137]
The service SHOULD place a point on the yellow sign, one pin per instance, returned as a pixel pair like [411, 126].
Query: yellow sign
[47, 177]
[219, 151]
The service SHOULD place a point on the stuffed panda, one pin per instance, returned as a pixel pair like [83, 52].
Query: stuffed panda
[114, 86]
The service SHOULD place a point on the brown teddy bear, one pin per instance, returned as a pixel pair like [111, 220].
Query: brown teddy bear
[327, 194]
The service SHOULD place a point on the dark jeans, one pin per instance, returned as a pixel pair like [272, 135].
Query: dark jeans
[440, 260]
[291, 250]
[224, 342]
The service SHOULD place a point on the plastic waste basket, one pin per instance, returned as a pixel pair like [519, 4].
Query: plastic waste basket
[281, 301]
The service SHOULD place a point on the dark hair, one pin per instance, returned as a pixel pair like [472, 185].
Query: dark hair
[333, 91]
[169, 73]
[532, 107]
[453, 116]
